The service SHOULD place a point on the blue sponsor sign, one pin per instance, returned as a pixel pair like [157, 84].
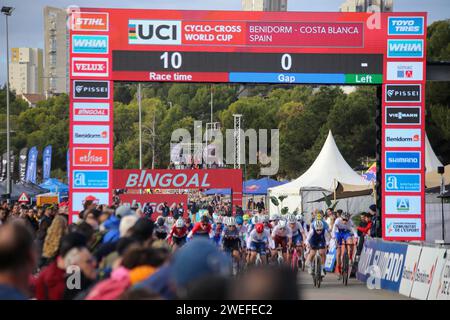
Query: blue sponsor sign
[402, 182]
[412, 26]
[89, 44]
[382, 263]
[402, 160]
[403, 48]
[83, 179]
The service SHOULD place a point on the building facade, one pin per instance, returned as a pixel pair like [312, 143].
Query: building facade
[264, 5]
[56, 46]
[26, 71]
[364, 5]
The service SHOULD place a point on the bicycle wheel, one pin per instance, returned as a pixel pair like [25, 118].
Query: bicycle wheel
[318, 271]
[345, 264]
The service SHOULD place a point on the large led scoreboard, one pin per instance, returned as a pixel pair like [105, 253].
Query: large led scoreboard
[387, 49]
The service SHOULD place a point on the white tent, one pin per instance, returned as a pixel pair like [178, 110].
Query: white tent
[431, 161]
[325, 173]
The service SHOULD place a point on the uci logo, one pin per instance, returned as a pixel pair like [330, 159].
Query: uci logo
[154, 32]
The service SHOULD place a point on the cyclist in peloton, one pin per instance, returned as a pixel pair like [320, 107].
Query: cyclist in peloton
[316, 240]
[258, 241]
[298, 234]
[161, 229]
[282, 237]
[217, 229]
[178, 234]
[230, 238]
[201, 229]
[345, 234]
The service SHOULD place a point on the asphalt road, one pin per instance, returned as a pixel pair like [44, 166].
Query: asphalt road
[332, 289]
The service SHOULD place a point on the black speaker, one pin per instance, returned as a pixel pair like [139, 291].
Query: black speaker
[441, 170]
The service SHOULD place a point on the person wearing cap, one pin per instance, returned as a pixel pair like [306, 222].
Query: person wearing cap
[195, 262]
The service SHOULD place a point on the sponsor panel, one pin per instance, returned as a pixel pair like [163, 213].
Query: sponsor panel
[403, 227]
[88, 179]
[402, 182]
[90, 89]
[403, 160]
[403, 93]
[403, 138]
[409, 269]
[90, 157]
[91, 112]
[156, 201]
[90, 44]
[399, 26]
[153, 32]
[405, 71]
[90, 67]
[383, 259]
[403, 48]
[426, 272]
[403, 205]
[78, 199]
[90, 21]
[90, 134]
[403, 115]
[443, 287]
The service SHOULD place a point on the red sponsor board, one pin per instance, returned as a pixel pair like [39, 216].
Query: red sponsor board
[90, 157]
[89, 67]
[89, 21]
[155, 200]
[305, 34]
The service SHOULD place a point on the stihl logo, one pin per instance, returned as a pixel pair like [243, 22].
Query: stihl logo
[91, 157]
[90, 67]
[89, 21]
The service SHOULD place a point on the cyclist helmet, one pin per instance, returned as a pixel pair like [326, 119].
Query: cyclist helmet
[179, 223]
[282, 223]
[231, 221]
[239, 220]
[274, 217]
[318, 225]
[170, 220]
[265, 218]
[259, 228]
[160, 221]
[204, 219]
[246, 217]
[291, 218]
[219, 219]
[318, 216]
[345, 215]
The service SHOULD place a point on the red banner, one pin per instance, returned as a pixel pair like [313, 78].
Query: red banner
[178, 179]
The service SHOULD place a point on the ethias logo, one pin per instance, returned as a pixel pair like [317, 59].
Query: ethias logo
[154, 32]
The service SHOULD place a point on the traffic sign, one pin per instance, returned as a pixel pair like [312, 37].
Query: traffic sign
[24, 198]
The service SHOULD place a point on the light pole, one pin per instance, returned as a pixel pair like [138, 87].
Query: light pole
[7, 11]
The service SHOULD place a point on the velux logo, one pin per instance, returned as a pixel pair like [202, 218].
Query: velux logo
[154, 32]
[90, 67]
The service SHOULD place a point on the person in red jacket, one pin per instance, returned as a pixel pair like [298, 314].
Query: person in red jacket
[178, 234]
[50, 283]
[363, 230]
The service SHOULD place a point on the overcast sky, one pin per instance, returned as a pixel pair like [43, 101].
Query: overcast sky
[26, 25]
